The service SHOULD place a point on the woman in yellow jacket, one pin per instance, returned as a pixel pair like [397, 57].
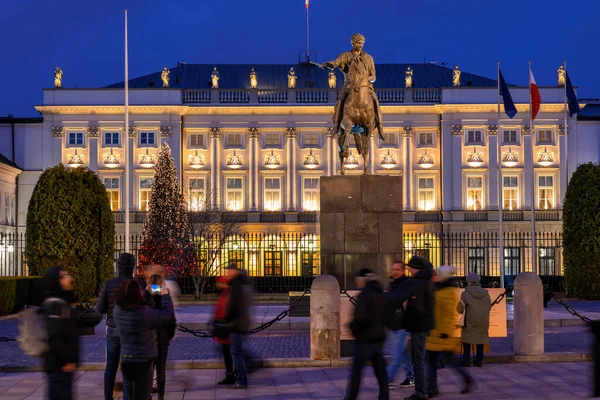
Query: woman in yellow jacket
[444, 340]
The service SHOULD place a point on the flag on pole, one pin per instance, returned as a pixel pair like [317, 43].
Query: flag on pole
[509, 104]
[536, 99]
[571, 97]
[306, 3]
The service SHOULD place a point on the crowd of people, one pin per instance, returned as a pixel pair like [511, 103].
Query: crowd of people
[425, 313]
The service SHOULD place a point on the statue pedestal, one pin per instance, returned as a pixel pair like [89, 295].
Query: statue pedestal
[361, 225]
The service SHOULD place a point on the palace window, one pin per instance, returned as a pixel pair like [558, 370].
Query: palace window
[147, 139]
[545, 136]
[512, 260]
[426, 194]
[272, 139]
[476, 260]
[272, 194]
[234, 197]
[310, 198]
[112, 188]
[197, 141]
[236, 257]
[425, 139]
[510, 193]
[547, 260]
[196, 194]
[75, 139]
[111, 139]
[145, 189]
[273, 262]
[510, 137]
[234, 139]
[474, 193]
[545, 192]
[310, 260]
[474, 137]
[311, 139]
[390, 139]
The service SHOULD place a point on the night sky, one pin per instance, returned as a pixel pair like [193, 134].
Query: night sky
[86, 38]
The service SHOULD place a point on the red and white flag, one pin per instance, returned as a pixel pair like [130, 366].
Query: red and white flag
[306, 3]
[534, 94]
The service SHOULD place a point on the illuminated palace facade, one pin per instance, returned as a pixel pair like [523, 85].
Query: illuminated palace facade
[262, 142]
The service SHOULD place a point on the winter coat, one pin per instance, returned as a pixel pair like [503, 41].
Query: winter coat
[165, 333]
[370, 312]
[219, 317]
[419, 316]
[397, 294]
[237, 312]
[477, 318]
[444, 337]
[136, 326]
[61, 324]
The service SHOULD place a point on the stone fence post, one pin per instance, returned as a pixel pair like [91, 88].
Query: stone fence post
[528, 325]
[325, 318]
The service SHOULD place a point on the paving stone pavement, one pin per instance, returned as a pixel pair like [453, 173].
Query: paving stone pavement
[500, 381]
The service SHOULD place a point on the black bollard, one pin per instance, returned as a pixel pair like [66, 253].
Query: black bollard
[596, 354]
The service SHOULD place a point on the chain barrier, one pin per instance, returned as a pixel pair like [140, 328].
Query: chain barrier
[352, 299]
[7, 339]
[570, 309]
[501, 296]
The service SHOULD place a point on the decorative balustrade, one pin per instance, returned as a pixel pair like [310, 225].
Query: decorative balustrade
[476, 216]
[512, 215]
[390, 95]
[195, 96]
[428, 216]
[426, 95]
[547, 215]
[308, 217]
[234, 96]
[312, 96]
[272, 96]
[272, 217]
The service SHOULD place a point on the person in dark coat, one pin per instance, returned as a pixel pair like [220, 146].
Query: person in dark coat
[476, 303]
[369, 330]
[62, 356]
[419, 319]
[220, 334]
[237, 321]
[136, 323]
[398, 292]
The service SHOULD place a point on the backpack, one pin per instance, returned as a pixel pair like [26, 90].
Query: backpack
[32, 333]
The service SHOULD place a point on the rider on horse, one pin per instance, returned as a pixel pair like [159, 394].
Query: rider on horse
[359, 69]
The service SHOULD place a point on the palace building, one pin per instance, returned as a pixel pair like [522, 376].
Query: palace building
[259, 137]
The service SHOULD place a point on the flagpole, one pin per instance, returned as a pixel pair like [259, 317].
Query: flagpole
[533, 185]
[307, 34]
[126, 140]
[500, 197]
[566, 128]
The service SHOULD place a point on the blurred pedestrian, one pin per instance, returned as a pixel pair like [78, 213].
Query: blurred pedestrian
[237, 320]
[368, 328]
[62, 356]
[220, 334]
[419, 319]
[398, 291]
[444, 340]
[164, 333]
[475, 303]
[105, 305]
[136, 323]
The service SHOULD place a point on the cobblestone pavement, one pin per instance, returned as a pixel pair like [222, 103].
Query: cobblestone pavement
[495, 382]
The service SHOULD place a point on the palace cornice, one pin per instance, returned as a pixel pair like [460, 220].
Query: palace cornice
[493, 108]
[86, 110]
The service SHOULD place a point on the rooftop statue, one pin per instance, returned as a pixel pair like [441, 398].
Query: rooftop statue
[215, 78]
[561, 75]
[164, 76]
[253, 79]
[292, 79]
[408, 78]
[58, 77]
[456, 76]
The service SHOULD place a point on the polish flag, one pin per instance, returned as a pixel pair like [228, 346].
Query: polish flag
[536, 99]
[306, 3]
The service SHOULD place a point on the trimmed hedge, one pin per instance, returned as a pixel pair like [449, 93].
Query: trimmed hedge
[16, 292]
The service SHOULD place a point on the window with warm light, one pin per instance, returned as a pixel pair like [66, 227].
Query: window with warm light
[145, 190]
[234, 139]
[474, 137]
[547, 260]
[147, 139]
[112, 188]
[75, 139]
[111, 139]
[196, 194]
[425, 139]
[389, 139]
[310, 200]
[426, 194]
[474, 193]
[510, 136]
[510, 193]
[273, 261]
[236, 257]
[272, 139]
[311, 139]
[197, 141]
[476, 260]
[544, 136]
[272, 194]
[512, 260]
[234, 196]
[546, 192]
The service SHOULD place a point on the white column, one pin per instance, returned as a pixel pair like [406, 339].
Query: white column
[215, 160]
[93, 133]
[563, 165]
[130, 159]
[407, 168]
[253, 167]
[455, 168]
[175, 133]
[291, 183]
[58, 143]
[527, 163]
[256, 175]
[446, 161]
[330, 168]
[492, 167]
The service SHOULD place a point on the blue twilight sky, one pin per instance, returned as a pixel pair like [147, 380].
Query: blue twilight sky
[86, 38]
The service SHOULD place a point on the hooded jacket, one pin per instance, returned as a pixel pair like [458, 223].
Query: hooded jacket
[61, 324]
[237, 312]
[477, 319]
[370, 312]
[420, 313]
[444, 337]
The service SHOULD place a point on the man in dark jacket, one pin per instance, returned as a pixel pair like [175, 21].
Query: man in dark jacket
[63, 343]
[368, 329]
[105, 305]
[398, 292]
[237, 321]
[419, 319]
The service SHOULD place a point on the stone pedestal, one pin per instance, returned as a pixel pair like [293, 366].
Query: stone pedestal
[361, 225]
[325, 318]
[528, 325]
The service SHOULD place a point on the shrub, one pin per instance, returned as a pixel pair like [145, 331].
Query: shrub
[16, 292]
[70, 224]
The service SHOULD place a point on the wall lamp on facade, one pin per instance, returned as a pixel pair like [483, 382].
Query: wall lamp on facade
[111, 161]
[388, 160]
[76, 160]
[425, 160]
[475, 159]
[311, 161]
[196, 161]
[234, 161]
[510, 159]
[546, 158]
[147, 160]
[351, 161]
[272, 161]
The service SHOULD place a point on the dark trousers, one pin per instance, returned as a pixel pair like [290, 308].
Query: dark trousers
[466, 357]
[239, 363]
[227, 358]
[433, 359]
[418, 341]
[60, 385]
[161, 367]
[113, 355]
[364, 352]
[137, 378]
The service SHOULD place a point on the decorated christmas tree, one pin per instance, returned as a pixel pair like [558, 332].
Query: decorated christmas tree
[166, 236]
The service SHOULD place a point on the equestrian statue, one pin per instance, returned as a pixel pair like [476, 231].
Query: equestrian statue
[357, 110]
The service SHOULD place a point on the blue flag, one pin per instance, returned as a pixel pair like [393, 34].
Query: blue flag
[571, 97]
[509, 104]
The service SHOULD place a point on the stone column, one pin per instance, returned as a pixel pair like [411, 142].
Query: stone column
[562, 179]
[93, 133]
[492, 167]
[456, 168]
[330, 157]
[528, 324]
[215, 160]
[372, 160]
[325, 318]
[446, 159]
[253, 167]
[58, 134]
[291, 170]
[407, 132]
